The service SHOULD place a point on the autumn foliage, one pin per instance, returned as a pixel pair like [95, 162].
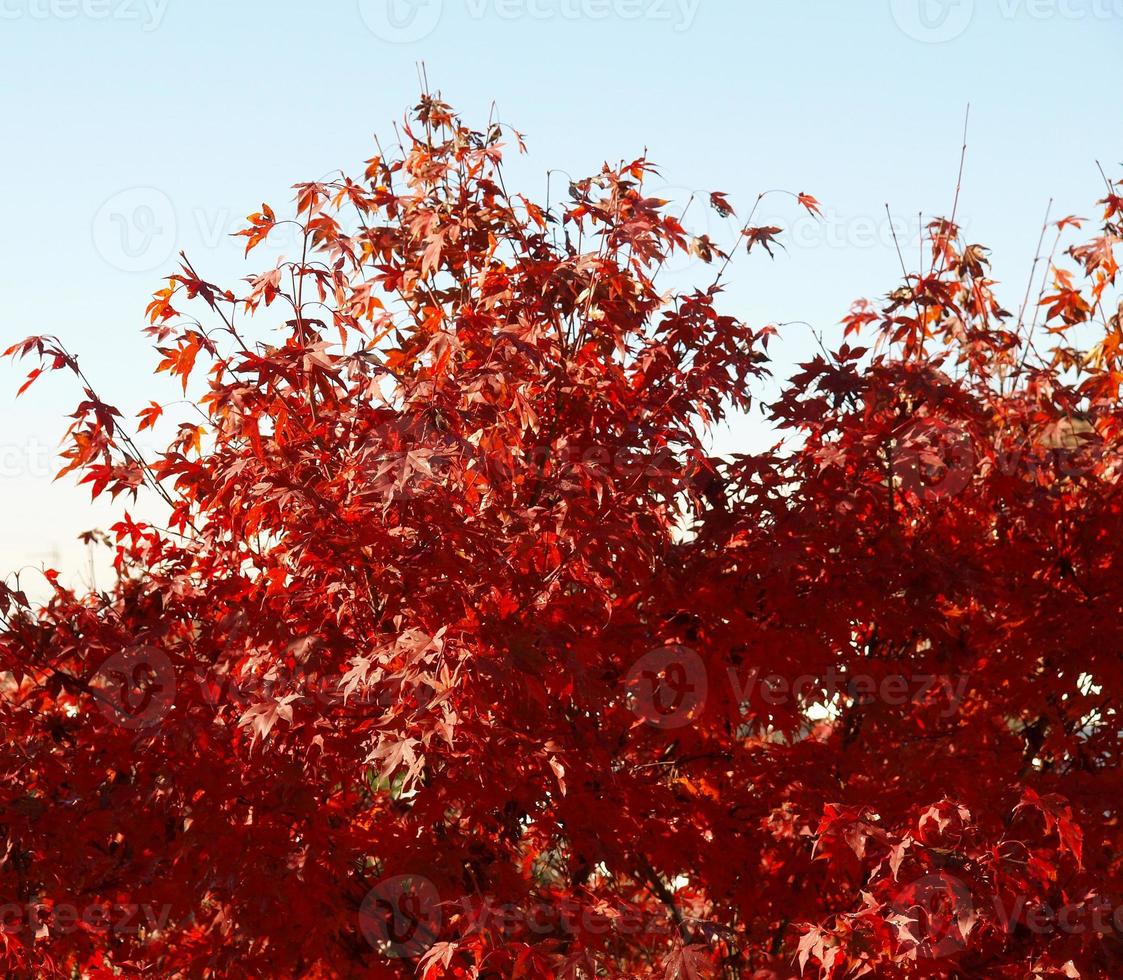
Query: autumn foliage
[459, 655]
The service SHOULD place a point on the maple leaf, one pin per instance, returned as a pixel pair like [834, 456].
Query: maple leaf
[705, 249]
[438, 957]
[261, 223]
[722, 206]
[149, 416]
[809, 202]
[689, 963]
[260, 718]
[765, 236]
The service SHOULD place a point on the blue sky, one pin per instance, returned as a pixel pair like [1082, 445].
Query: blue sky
[135, 128]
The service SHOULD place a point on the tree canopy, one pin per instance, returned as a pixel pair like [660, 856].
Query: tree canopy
[460, 655]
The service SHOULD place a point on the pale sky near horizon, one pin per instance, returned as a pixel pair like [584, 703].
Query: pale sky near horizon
[135, 128]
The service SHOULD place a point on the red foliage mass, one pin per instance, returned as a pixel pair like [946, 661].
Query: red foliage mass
[460, 655]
